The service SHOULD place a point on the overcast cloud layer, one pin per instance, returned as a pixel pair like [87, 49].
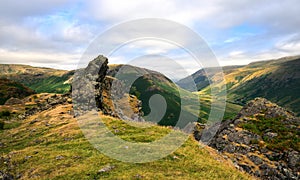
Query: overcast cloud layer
[54, 33]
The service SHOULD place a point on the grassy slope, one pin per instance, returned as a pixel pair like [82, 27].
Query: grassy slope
[200, 78]
[34, 148]
[277, 80]
[155, 83]
[146, 86]
[39, 79]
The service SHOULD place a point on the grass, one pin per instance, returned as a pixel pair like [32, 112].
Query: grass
[276, 80]
[52, 84]
[286, 137]
[39, 79]
[54, 148]
[147, 86]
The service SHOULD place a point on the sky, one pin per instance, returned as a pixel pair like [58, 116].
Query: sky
[55, 33]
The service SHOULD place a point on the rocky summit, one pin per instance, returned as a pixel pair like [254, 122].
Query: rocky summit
[262, 140]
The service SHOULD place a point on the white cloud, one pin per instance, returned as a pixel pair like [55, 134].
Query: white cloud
[40, 32]
[233, 39]
[177, 10]
[58, 60]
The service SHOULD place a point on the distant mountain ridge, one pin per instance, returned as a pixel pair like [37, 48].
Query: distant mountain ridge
[277, 80]
[38, 78]
[200, 77]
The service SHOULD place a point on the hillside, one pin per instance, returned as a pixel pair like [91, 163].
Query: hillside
[48, 144]
[277, 80]
[58, 81]
[37, 78]
[42, 139]
[11, 89]
[154, 83]
[200, 77]
[195, 106]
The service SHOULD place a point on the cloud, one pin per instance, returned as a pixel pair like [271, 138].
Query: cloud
[58, 60]
[238, 31]
[290, 44]
[233, 39]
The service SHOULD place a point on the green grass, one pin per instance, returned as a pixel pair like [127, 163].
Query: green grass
[145, 87]
[197, 106]
[275, 80]
[52, 84]
[33, 150]
[287, 137]
[42, 80]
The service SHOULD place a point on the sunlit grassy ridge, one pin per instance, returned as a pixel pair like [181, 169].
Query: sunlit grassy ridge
[50, 145]
[38, 78]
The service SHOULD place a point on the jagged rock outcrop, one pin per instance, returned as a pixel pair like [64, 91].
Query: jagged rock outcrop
[92, 90]
[262, 140]
[87, 85]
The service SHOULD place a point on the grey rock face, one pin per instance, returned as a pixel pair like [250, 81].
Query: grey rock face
[94, 89]
[87, 85]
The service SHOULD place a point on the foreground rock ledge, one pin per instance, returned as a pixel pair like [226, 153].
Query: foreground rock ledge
[262, 140]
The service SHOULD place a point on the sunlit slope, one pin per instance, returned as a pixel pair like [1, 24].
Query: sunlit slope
[50, 145]
[37, 78]
[277, 80]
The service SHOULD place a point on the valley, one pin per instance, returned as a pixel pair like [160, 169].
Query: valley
[41, 137]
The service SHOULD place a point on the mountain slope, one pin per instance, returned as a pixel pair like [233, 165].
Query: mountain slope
[39, 79]
[277, 80]
[155, 83]
[200, 78]
[14, 89]
[195, 106]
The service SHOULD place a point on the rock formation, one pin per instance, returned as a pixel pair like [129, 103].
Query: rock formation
[87, 85]
[262, 140]
[92, 90]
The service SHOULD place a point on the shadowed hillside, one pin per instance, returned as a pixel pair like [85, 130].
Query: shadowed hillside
[11, 89]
